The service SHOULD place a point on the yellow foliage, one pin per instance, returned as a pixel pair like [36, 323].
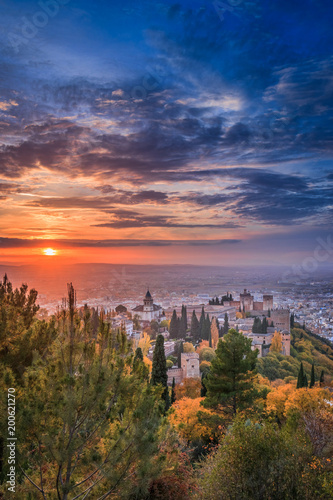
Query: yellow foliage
[276, 345]
[145, 343]
[202, 345]
[185, 419]
[214, 332]
[188, 347]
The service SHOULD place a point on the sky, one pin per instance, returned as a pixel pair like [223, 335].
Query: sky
[158, 132]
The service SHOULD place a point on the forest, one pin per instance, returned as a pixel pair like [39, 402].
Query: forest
[96, 419]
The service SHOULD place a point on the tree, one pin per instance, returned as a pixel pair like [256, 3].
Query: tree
[322, 379]
[179, 355]
[226, 324]
[206, 328]
[184, 316]
[188, 347]
[276, 345]
[182, 323]
[173, 394]
[313, 379]
[302, 380]
[159, 374]
[256, 327]
[292, 320]
[88, 417]
[230, 383]
[202, 322]
[136, 322]
[195, 327]
[214, 333]
[174, 327]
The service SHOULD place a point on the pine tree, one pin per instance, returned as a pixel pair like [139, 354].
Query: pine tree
[174, 326]
[226, 324]
[173, 394]
[322, 379]
[195, 327]
[231, 380]
[313, 379]
[159, 373]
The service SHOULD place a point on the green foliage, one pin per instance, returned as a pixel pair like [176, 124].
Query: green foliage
[90, 416]
[226, 324]
[260, 461]
[159, 374]
[230, 382]
[305, 348]
[174, 326]
[195, 327]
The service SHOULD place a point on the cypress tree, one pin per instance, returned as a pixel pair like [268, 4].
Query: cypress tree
[184, 317]
[159, 371]
[173, 394]
[206, 328]
[174, 325]
[180, 350]
[300, 378]
[313, 379]
[203, 390]
[202, 321]
[226, 324]
[210, 338]
[322, 379]
[292, 320]
[264, 325]
[195, 327]
[305, 381]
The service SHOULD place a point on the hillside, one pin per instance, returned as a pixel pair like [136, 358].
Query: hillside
[306, 347]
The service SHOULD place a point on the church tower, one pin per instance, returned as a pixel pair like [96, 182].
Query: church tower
[148, 305]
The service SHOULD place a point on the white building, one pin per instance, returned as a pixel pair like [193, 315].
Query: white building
[148, 311]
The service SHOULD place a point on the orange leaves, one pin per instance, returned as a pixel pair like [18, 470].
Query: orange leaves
[190, 388]
[186, 419]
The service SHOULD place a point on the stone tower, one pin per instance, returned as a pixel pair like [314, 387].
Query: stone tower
[148, 305]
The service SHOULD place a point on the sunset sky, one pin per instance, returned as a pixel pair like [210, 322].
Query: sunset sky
[161, 132]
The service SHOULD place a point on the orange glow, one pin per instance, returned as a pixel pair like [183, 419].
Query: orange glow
[49, 251]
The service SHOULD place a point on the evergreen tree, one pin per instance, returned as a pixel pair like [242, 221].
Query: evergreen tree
[322, 379]
[180, 350]
[300, 377]
[305, 381]
[174, 327]
[182, 323]
[256, 327]
[203, 390]
[264, 325]
[184, 317]
[231, 380]
[313, 379]
[173, 394]
[195, 327]
[86, 415]
[206, 328]
[292, 320]
[202, 321]
[159, 372]
[226, 324]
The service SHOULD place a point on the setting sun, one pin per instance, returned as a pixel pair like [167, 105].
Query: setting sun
[49, 251]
